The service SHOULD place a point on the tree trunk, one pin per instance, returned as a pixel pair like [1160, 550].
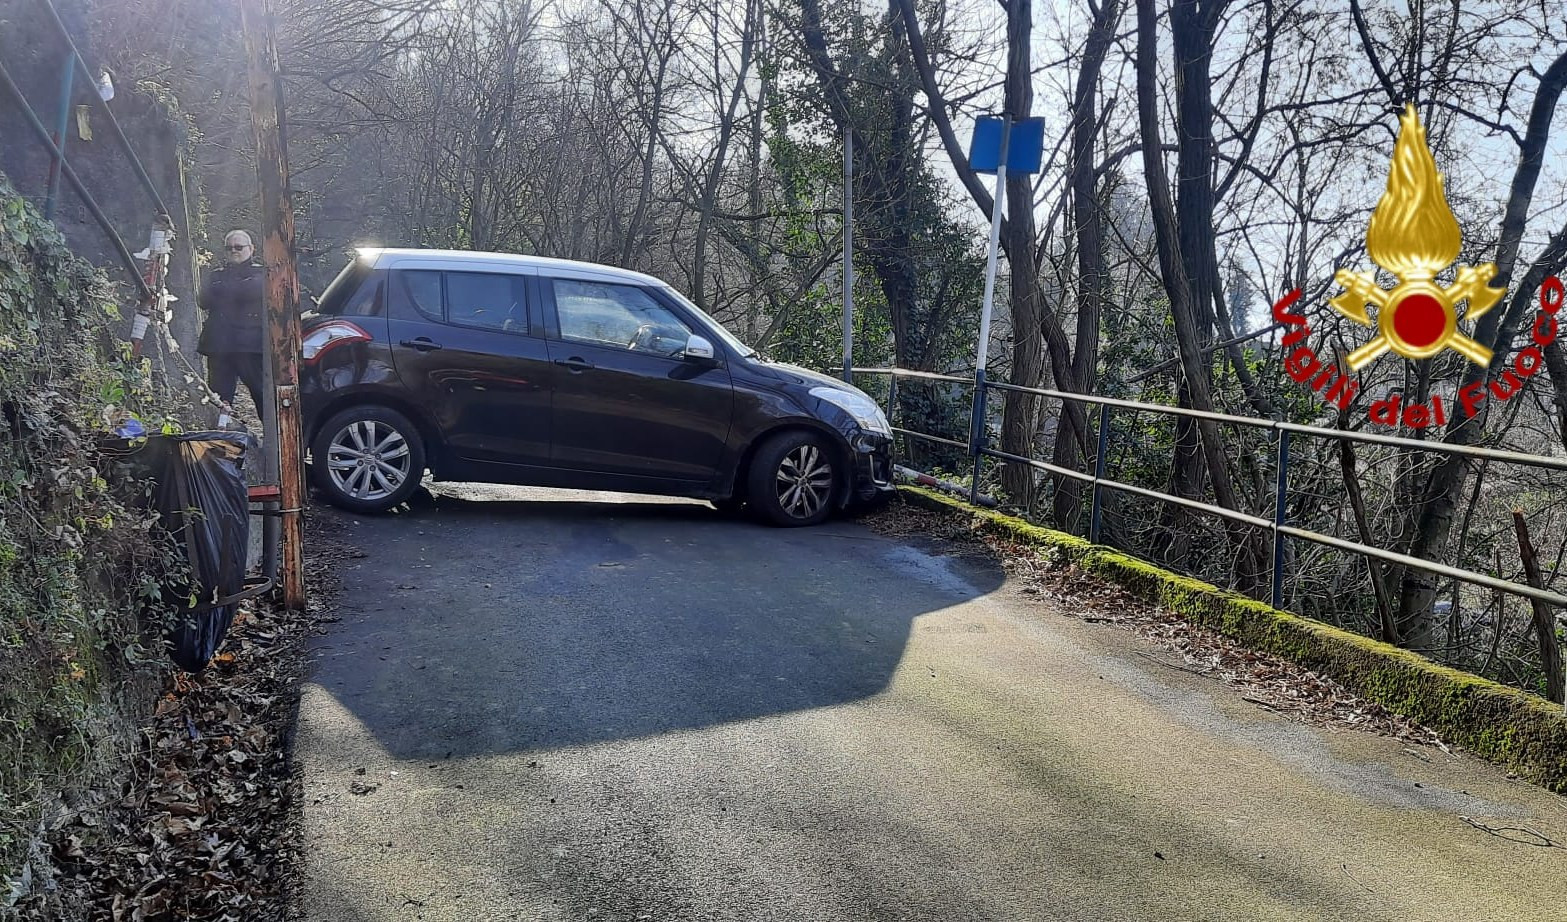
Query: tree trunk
[1192, 24]
[1438, 496]
[1019, 412]
[725, 131]
[883, 160]
[1544, 624]
[1018, 423]
[1093, 277]
[633, 243]
[1178, 286]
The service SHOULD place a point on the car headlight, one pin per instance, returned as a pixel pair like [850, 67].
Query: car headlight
[862, 408]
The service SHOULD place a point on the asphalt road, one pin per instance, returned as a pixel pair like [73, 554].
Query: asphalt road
[543, 708]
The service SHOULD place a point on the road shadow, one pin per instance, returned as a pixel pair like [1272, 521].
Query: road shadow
[473, 627]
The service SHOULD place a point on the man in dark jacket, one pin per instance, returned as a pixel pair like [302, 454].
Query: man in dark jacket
[231, 337]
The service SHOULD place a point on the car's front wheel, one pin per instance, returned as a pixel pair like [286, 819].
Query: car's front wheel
[794, 479]
[367, 458]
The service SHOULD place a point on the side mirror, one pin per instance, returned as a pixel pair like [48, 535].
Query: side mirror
[698, 349]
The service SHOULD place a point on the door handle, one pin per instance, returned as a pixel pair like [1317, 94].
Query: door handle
[423, 344]
[574, 364]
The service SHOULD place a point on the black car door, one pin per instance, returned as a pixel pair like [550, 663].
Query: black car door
[626, 400]
[467, 349]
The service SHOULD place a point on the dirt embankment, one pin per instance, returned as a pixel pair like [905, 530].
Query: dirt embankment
[203, 824]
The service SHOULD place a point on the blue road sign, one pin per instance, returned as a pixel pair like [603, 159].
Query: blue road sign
[984, 153]
[1025, 145]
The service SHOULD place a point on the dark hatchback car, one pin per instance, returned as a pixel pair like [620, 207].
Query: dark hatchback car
[497, 368]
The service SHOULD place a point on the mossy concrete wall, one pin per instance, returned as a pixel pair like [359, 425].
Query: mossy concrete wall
[1523, 732]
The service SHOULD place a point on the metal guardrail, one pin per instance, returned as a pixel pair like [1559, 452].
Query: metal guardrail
[1282, 531]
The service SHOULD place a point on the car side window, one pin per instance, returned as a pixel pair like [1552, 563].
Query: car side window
[621, 316]
[415, 293]
[490, 300]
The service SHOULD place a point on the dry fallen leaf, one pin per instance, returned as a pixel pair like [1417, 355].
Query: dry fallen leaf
[200, 828]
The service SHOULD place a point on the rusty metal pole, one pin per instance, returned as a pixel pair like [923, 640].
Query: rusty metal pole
[61, 131]
[282, 287]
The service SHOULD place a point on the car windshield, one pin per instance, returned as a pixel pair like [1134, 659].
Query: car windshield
[713, 325]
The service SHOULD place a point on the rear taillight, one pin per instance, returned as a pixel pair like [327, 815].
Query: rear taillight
[330, 334]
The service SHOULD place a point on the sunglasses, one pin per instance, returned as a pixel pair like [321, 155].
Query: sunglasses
[236, 247]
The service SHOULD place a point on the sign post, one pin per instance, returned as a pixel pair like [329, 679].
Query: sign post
[999, 144]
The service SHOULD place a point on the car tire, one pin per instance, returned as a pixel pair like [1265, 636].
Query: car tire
[367, 459]
[794, 479]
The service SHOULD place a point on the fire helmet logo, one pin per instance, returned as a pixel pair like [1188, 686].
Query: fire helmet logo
[1414, 236]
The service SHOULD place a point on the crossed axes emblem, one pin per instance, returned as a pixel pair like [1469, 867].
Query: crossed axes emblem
[1430, 320]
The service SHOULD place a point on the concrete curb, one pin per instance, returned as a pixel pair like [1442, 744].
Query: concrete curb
[1503, 725]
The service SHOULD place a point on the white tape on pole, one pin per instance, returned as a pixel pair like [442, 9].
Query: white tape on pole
[995, 244]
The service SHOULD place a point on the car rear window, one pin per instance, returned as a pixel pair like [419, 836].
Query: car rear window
[366, 302]
[347, 290]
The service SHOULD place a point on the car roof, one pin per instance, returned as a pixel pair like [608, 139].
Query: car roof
[407, 257]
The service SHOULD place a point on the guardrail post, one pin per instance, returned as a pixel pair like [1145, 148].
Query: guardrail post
[892, 399]
[62, 128]
[977, 433]
[1280, 496]
[1097, 519]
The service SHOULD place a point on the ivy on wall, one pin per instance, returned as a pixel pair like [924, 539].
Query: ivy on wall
[81, 564]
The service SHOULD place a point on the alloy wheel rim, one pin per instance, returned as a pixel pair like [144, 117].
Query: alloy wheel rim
[804, 481]
[368, 460]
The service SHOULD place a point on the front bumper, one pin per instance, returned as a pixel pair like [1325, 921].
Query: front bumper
[872, 460]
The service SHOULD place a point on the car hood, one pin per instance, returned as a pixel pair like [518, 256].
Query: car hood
[808, 378]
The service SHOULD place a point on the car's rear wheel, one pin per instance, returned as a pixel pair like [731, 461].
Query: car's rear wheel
[794, 479]
[367, 458]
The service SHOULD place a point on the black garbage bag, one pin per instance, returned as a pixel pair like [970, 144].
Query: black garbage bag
[203, 501]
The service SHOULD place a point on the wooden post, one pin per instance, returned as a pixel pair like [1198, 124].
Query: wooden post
[1544, 625]
[282, 286]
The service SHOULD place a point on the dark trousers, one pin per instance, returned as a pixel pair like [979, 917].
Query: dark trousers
[226, 369]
